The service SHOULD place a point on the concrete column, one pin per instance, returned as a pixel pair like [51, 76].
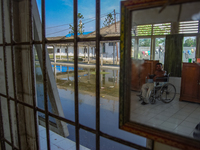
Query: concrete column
[113, 53]
[101, 59]
[84, 52]
[60, 52]
[67, 54]
[54, 53]
[55, 71]
[88, 54]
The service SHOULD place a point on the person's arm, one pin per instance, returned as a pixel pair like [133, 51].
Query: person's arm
[159, 74]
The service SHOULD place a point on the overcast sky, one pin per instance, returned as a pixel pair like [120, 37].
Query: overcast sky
[59, 14]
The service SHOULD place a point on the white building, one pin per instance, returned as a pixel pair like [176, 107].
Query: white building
[86, 50]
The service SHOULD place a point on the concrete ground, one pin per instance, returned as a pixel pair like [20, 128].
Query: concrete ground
[57, 142]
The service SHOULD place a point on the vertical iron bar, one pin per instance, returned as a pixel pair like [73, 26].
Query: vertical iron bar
[1, 129]
[13, 70]
[33, 71]
[45, 74]
[76, 75]
[6, 74]
[97, 74]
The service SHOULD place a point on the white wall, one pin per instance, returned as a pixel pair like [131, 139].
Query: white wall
[107, 55]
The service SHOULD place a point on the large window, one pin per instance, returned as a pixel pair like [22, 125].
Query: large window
[189, 49]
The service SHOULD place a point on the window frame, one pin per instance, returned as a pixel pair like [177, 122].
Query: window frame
[44, 41]
[156, 134]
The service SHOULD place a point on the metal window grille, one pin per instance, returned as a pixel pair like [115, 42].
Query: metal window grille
[33, 107]
[189, 27]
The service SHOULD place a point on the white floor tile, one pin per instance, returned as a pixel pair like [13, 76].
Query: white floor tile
[188, 124]
[169, 125]
[174, 120]
[184, 129]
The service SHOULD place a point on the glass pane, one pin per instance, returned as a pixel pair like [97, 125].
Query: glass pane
[62, 58]
[58, 23]
[110, 18]
[86, 18]
[144, 48]
[160, 49]
[87, 140]
[189, 49]
[39, 83]
[109, 98]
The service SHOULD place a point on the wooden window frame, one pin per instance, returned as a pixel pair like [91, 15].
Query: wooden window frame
[156, 134]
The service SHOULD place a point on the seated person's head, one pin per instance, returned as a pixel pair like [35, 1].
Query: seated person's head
[159, 66]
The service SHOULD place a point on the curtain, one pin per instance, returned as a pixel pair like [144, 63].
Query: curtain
[173, 54]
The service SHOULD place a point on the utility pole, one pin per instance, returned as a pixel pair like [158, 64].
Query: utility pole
[115, 20]
[115, 32]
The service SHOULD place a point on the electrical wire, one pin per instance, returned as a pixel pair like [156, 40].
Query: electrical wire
[69, 28]
[72, 23]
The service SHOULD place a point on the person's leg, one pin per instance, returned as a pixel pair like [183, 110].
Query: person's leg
[144, 90]
[151, 86]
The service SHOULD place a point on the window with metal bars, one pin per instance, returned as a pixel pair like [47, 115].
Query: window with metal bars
[17, 55]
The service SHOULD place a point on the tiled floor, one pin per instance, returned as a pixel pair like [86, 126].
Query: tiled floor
[177, 116]
[57, 142]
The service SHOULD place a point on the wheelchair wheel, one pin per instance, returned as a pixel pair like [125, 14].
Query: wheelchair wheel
[167, 92]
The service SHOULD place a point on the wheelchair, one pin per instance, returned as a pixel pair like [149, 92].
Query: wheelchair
[163, 90]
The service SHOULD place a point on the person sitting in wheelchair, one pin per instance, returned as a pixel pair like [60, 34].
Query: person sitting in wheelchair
[148, 87]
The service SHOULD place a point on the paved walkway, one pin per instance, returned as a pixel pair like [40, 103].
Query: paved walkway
[57, 142]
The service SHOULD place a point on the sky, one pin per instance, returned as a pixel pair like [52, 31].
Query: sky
[59, 14]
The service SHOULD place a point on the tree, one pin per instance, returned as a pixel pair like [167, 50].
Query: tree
[145, 42]
[80, 25]
[109, 20]
[190, 42]
[159, 41]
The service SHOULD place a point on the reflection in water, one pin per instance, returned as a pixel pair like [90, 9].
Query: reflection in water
[109, 102]
[109, 80]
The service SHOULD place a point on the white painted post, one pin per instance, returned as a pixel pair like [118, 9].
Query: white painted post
[101, 59]
[113, 53]
[54, 53]
[60, 52]
[67, 53]
[88, 54]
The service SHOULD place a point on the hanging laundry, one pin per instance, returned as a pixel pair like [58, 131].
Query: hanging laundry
[148, 52]
[189, 52]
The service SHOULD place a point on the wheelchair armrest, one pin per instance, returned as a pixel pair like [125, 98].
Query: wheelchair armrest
[162, 79]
